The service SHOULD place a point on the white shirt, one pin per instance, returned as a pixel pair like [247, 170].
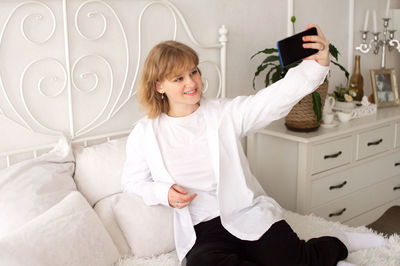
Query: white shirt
[245, 210]
[184, 148]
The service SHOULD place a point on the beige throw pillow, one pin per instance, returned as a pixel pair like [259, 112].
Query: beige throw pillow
[148, 229]
[70, 233]
[99, 169]
[29, 188]
[104, 210]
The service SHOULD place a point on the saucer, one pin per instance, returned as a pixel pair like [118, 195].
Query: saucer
[346, 110]
[331, 125]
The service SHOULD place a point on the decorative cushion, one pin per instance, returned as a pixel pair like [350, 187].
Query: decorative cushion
[70, 233]
[134, 227]
[148, 229]
[104, 210]
[99, 169]
[29, 188]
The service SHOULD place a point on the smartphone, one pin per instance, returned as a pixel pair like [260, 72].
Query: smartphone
[291, 48]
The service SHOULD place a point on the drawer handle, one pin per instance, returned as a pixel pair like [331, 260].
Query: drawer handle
[396, 188]
[338, 186]
[332, 155]
[375, 142]
[337, 213]
[396, 164]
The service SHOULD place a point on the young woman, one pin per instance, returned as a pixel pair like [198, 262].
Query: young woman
[187, 154]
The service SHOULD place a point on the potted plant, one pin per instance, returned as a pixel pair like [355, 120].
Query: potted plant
[307, 114]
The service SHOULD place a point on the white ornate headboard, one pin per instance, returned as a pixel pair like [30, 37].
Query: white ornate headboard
[72, 67]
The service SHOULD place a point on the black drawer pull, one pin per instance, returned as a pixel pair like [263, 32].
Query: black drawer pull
[375, 142]
[396, 188]
[338, 186]
[332, 155]
[396, 164]
[337, 213]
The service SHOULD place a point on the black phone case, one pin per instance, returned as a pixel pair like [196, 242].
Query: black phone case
[291, 49]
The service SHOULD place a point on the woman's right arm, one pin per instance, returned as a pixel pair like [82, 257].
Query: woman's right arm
[136, 175]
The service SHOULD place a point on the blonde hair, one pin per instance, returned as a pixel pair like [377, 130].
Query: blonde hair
[165, 60]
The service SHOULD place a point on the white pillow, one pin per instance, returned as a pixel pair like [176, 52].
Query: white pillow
[104, 210]
[31, 187]
[99, 169]
[148, 229]
[70, 233]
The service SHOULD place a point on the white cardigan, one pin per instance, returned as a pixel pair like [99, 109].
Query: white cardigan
[245, 209]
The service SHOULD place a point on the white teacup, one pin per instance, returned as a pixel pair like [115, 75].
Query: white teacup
[328, 117]
[346, 116]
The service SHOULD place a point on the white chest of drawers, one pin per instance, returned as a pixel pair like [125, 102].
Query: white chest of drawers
[349, 173]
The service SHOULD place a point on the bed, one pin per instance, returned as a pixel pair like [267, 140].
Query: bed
[70, 103]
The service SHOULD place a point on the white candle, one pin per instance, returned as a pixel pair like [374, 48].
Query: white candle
[387, 9]
[366, 20]
[392, 22]
[374, 20]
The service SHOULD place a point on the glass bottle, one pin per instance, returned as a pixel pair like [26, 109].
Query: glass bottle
[356, 80]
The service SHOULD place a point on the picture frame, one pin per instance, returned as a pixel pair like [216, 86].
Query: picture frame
[384, 85]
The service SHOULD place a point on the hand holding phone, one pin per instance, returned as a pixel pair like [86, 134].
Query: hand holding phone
[291, 49]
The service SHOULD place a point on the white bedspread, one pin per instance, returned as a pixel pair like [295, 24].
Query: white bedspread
[307, 226]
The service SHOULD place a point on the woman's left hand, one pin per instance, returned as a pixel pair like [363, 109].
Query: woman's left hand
[320, 43]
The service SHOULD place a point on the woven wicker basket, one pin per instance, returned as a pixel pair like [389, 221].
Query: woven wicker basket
[302, 117]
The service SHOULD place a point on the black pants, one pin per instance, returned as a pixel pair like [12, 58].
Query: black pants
[278, 246]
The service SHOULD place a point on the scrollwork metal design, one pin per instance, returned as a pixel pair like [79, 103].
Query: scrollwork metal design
[51, 85]
[51, 78]
[37, 17]
[95, 76]
[91, 15]
[395, 43]
[205, 80]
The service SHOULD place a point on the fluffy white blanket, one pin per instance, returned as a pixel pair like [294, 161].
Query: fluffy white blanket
[306, 226]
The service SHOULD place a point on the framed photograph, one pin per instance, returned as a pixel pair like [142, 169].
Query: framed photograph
[384, 87]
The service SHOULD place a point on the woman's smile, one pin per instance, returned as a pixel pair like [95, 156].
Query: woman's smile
[191, 92]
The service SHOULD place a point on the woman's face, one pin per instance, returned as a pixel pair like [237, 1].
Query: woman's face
[183, 91]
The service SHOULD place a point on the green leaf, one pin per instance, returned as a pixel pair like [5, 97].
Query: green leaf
[334, 51]
[277, 75]
[265, 51]
[271, 58]
[267, 78]
[317, 105]
[346, 73]
[260, 68]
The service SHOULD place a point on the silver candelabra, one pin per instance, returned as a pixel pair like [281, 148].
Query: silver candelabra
[388, 42]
